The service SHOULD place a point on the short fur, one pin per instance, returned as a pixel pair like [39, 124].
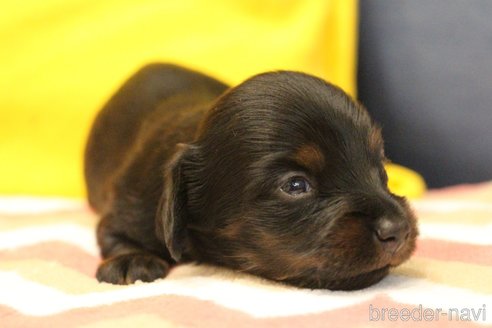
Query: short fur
[182, 168]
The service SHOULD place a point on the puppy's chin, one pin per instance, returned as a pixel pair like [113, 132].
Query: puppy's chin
[367, 278]
[358, 281]
[353, 276]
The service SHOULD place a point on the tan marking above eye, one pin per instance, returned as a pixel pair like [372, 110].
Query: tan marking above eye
[310, 156]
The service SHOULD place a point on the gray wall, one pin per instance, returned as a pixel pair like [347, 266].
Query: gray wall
[425, 73]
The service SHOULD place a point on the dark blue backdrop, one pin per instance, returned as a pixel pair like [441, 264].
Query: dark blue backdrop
[425, 73]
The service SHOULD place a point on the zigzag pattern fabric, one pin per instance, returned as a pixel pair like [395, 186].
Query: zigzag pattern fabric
[48, 257]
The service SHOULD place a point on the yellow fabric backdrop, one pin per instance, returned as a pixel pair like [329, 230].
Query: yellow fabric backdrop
[60, 60]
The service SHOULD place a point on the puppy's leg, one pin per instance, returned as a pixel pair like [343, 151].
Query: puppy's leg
[125, 261]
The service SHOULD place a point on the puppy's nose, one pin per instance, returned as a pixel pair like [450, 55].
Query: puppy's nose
[391, 233]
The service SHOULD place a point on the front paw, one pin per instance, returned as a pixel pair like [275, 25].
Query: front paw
[128, 268]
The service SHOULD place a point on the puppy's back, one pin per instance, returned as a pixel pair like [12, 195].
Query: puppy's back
[156, 91]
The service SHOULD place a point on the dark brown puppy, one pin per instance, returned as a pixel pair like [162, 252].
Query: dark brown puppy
[281, 177]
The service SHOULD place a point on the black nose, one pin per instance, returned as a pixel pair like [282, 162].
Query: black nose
[391, 233]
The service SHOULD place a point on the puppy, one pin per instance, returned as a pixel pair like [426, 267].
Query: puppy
[281, 177]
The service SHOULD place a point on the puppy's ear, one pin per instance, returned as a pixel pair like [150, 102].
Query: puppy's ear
[172, 216]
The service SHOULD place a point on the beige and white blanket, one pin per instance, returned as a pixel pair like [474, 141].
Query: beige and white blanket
[48, 257]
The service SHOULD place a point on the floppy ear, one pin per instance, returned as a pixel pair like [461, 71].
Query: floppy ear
[172, 216]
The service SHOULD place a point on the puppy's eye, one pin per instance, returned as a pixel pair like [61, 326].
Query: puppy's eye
[296, 186]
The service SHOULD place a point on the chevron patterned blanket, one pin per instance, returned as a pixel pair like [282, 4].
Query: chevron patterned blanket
[48, 257]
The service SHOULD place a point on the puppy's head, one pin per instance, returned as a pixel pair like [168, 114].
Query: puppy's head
[286, 181]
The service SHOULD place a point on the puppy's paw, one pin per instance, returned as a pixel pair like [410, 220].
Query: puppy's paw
[128, 268]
